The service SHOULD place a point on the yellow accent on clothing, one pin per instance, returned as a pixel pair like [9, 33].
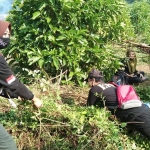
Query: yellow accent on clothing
[132, 65]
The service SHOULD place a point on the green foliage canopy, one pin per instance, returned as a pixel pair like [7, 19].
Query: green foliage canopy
[59, 35]
[140, 18]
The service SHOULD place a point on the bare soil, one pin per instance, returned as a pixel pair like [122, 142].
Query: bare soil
[144, 67]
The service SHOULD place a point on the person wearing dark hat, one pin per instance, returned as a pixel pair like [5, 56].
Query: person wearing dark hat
[100, 89]
[104, 95]
[12, 86]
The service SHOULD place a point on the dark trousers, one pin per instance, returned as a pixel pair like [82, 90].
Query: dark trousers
[135, 80]
[140, 118]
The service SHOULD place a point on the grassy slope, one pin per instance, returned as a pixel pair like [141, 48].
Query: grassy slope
[65, 123]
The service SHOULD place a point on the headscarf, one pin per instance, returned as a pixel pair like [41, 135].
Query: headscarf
[4, 42]
[131, 63]
[3, 26]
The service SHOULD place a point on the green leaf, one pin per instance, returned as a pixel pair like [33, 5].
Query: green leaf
[51, 38]
[41, 62]
[64, 62]
[61, 38]
[68, 32]
[123, 124]
[56, 63]
[35, 15]
[42, 6]
[71, 43]
[33, 60]
[71, 74]
[48, 19]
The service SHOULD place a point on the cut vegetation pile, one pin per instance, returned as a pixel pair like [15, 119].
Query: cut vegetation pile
[66, 123]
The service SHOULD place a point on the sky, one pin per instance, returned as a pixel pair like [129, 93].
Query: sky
[5, 6]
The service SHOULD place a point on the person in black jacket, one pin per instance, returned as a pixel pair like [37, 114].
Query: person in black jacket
[11, 85]
[120, 77]
[7, 79]
[104, 94]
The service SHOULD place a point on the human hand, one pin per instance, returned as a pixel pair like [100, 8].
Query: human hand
[1, 53]
[131, 75]
[141, 75]
[37, 102]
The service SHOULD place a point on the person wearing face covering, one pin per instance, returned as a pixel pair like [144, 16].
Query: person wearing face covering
[10, 86]
[8, 80]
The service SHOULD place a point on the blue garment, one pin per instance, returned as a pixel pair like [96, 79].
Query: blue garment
[147, 104]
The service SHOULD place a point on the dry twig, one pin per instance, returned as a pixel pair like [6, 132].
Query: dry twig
[142, 46]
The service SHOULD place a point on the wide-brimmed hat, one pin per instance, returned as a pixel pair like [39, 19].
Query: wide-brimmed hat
[94, 73]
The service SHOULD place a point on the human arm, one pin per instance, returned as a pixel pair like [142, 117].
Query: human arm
[130, 75]
[9, 81]
[7, 93]
[23, 92]
[19, 90]
[94, 98]
[91, 99]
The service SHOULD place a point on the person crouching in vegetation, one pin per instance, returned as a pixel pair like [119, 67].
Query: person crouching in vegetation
[130, 63]
[120, 77]
[104, 95]
[13, 85]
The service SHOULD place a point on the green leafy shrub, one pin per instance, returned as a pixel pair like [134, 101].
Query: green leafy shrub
[59, 125]
[144, 93]
[140, 18]
[61, 35]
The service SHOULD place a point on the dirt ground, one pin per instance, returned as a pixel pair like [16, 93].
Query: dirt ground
[144, 67]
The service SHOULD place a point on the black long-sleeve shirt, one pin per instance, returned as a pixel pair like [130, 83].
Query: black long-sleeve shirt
[103, 95]
[8, 80]
[139, 117]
